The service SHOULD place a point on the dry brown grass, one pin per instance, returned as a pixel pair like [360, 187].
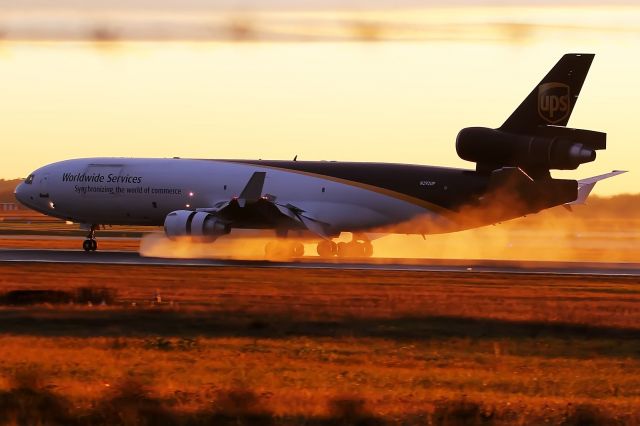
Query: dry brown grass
[72, 243]
[294, 346]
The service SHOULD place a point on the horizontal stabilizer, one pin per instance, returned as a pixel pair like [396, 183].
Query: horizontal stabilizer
[585, 186]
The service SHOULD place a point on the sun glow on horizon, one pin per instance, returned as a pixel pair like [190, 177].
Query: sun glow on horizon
[395, 101]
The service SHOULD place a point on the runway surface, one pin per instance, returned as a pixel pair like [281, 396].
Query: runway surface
[425, 265]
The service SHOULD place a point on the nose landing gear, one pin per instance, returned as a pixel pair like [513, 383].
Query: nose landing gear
[90, 244]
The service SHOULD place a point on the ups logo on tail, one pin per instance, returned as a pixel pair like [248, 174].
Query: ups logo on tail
[554, 102]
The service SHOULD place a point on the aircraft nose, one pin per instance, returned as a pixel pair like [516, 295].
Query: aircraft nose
[19, 193]
[23, 194]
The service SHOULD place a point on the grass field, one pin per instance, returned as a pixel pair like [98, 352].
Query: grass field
[65, 243]
[254, 346]
[242, 346]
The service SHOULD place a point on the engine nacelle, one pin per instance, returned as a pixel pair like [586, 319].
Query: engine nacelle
[496, 147]
[188, 223]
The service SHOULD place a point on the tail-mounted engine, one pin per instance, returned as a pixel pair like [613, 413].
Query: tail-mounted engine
[188, 223]
[548, 147]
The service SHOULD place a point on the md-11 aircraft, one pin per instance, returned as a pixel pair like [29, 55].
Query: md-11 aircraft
[318, 200]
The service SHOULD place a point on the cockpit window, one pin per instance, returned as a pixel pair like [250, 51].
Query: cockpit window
[29, 180]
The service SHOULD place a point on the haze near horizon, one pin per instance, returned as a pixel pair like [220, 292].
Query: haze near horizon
[355, 83]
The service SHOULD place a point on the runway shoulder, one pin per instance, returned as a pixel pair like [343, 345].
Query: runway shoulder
[424, 265]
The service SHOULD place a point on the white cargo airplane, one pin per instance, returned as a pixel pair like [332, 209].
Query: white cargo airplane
[206, 199]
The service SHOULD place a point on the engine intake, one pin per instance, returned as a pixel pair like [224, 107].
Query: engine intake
[551, 148]
[188, 223]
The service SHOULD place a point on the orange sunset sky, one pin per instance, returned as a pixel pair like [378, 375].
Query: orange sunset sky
[361, 81]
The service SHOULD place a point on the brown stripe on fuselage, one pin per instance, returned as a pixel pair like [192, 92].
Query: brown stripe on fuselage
[452, 187]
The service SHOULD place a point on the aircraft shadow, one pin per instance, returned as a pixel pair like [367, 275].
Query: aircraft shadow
[162, 322]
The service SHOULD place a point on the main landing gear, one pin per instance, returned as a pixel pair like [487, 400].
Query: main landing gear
[90, 244]
[358, 247]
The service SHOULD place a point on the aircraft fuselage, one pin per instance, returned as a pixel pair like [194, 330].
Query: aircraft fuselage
[349, 196]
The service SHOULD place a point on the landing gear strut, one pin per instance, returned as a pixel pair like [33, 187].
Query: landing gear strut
[90, 244]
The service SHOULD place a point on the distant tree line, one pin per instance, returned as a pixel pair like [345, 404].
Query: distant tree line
[6, 190]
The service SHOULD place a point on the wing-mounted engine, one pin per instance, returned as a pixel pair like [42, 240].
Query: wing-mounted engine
[200, 225]
[537, 152]
[251, 209]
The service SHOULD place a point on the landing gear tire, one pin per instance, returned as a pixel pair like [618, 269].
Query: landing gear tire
[327, 248]
[345, 249]
[368, 249]
[283, 249]
[297, 249]
[90, 245]
[355, 249]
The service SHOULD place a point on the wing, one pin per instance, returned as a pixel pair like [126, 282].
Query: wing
[254, 209]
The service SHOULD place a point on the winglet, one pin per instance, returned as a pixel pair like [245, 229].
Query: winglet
[253, 190]
[586, 185]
